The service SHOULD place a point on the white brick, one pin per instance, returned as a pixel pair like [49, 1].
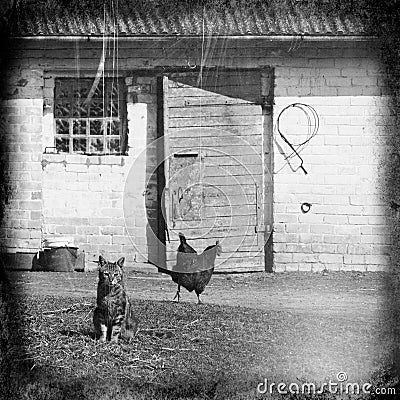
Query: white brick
[377, 259]
[279, 268]
[285, 237]
[292, 267]
[323, 248]
[322, 229]
[298, 248]
[305, 258]
[288, 218]
[354, 259]
[305, 267]
[281, 258]
[358, 219]
[336, 219]
[347, 230]
[317, 267]
[297, 228]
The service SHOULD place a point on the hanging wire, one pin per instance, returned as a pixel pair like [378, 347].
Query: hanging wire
[200, 84]
[313, 127]
[104, 96]
[115, 38]
[119, 109]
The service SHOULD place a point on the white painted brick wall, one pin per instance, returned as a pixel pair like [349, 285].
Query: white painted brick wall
[343, 163]
[21, 128]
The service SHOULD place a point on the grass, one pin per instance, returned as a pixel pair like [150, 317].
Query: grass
[182, 351]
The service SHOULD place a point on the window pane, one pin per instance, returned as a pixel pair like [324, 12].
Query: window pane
[114, 89]
[96, 108]
[62, 89]
[98, 93]
[79, 145]
[79, 127]
[62, 109]
[113, 128]
[62, 127]
[113, 145]
[96, 127]
[80, 110]
[96, 145]
[81, 92]
[112, 108]
[62, 145]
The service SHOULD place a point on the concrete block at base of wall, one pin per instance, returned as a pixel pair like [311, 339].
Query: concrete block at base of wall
[18, 261]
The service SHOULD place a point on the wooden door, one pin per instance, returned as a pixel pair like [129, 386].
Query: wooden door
[214, 165]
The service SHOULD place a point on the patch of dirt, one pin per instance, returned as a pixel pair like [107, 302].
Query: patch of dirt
[348, 295]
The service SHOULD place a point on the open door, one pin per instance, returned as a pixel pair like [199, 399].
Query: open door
[214, 162]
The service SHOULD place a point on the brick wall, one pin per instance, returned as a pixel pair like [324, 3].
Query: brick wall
[109, 203]
[346, 227]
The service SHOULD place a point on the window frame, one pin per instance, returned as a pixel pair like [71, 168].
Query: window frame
[105, 120]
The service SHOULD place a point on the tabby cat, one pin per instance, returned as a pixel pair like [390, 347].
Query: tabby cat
[113, 316]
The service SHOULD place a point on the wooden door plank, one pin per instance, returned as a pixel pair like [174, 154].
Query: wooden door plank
[229, 121]
[212, 141]
[221, 130]
[201, 101]
[216, 111]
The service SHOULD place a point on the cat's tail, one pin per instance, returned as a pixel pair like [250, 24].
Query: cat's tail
[130, 326]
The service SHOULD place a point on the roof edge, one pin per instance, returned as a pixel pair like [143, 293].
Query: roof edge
[307, 38]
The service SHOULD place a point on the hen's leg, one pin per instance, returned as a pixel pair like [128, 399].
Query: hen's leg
[198, 299]
[177, 295]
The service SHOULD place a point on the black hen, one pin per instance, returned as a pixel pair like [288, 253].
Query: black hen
[202, 265]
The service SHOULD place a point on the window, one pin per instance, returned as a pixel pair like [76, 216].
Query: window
[90, 120]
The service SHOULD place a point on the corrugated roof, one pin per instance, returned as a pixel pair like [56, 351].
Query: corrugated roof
[141, 18]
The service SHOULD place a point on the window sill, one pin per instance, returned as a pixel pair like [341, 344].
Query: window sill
[86, 159]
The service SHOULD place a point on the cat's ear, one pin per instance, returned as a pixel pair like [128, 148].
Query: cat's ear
[121, 261]
[102, 261]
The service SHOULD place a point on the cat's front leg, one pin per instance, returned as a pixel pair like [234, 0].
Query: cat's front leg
[99, 325]
[116, 330]
[103, 333]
